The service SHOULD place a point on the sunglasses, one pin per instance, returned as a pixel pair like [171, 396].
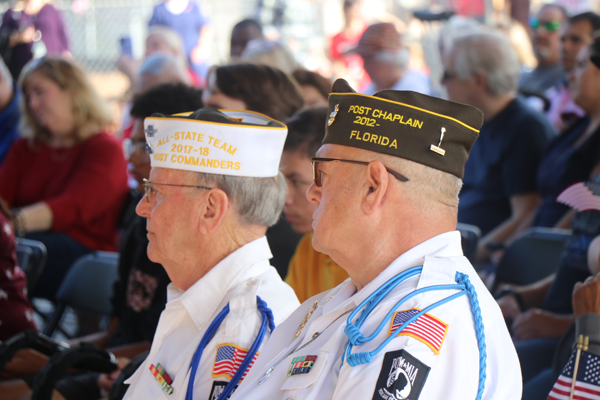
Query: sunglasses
[318, 174]
[549, 26]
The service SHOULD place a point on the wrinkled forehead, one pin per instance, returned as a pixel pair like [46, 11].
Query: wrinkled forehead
[550, 13]
[172, 176]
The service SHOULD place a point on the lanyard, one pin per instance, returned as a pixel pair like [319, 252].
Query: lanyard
[267, 320]
[355, 337]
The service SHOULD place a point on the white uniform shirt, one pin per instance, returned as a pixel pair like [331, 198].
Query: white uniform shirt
[236, 280]
[454, 372]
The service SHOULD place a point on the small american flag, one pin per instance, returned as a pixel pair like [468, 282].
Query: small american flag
[587, 384]
[229, 359]
[582, 196]
[426, 328]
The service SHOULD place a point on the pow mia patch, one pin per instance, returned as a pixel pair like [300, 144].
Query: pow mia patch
[217, 389]
[402, 377]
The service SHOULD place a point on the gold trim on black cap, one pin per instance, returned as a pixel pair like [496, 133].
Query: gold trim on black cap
[424, 129]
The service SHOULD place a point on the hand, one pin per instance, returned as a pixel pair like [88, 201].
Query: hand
[105, 381]
[536, 323]
[586, 296]
[509, 307]
[25, 36]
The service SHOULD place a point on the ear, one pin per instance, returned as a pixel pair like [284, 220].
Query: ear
[376, 187]
[213, 211]
[480, 80]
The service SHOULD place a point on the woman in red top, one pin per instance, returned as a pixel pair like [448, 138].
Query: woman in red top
[66, 179]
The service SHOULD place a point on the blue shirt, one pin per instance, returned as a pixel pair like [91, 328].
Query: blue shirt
[563, 165]
[187, 24]
[503, 163]
[9, 121]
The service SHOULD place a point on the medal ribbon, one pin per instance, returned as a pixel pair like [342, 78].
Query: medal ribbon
[267, 321]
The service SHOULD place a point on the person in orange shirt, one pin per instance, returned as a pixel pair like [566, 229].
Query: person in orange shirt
[310, 272]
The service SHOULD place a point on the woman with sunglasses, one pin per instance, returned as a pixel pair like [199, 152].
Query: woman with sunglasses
[65, 180]
[573, 156]
[545, 312]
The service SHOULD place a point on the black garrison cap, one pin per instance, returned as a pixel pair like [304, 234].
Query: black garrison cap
[424, 129]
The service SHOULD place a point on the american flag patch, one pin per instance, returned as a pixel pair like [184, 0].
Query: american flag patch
[228, 360]
[426, 328]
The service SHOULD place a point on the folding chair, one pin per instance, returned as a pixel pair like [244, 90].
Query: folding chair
[31, 255]
[88, 286]
[469, 235]
[533, 256]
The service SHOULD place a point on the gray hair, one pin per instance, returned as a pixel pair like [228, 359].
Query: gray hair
[256, 200]
[430, 189]
[491, 55]
[158, 63]
[429, 186]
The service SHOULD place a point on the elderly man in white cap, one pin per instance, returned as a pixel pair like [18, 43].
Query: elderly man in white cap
[214, 189]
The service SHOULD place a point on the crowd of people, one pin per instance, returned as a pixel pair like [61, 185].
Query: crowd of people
[254, 207]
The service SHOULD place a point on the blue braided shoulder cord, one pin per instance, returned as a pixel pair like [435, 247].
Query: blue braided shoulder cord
[356, 338]
[479, 329]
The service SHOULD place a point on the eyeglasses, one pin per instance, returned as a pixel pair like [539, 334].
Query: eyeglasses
[549, 26]
[130, 147]
[318, 174]
[149, 190]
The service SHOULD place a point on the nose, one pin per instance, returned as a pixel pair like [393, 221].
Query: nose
[313, 194]
[144, 208]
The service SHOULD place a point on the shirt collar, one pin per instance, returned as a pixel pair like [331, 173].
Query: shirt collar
[212, 288]
[447, 244]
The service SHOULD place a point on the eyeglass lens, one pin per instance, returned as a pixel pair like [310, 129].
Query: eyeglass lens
[317, 174]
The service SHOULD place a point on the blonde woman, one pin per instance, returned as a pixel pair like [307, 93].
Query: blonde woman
[65, 180]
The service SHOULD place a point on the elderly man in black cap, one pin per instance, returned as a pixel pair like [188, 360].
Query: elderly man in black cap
[414, 320]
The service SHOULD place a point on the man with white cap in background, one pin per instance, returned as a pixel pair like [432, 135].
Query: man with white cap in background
[214, 189]
[385, 60]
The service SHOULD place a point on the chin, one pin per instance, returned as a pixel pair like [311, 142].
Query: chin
[151, 251]
[316, 245]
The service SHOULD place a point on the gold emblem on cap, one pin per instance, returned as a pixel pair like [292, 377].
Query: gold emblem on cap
[307, 316]
[438, 149]
[333, 114]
